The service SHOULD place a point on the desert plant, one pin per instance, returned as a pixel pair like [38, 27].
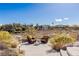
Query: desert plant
[61, 40]
[7, 38]
[24, 40]
[44, 39]
[3, 46]
[8, 44]
[30, 39]
[31, 30]
[22, 52]
[30, 35]
[11, 52]
[13, 45]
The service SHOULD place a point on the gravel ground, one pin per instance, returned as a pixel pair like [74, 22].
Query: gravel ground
[40, 50]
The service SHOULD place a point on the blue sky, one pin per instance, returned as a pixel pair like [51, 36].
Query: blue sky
[30, 13]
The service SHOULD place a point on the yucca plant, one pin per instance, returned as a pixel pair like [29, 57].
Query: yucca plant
[60, 41]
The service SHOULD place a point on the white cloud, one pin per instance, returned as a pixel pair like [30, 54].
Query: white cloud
[61, 19]
[58, 20]
[0, 24]
[66, 18]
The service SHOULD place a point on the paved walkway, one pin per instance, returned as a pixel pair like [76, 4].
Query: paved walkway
[40, 50]
[73, 51]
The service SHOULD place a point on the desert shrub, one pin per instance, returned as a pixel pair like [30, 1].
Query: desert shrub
[31, 31]
[30, 35]
[44, 39]
[7, 38]
[3, 46]
[61, 40]
[8, 44]
[30, 39]
[24, 40]
[13, 45]
[22, 52]
[73, 34]
[10, 52]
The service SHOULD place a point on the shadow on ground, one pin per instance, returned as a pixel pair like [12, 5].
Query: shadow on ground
[51, 51]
